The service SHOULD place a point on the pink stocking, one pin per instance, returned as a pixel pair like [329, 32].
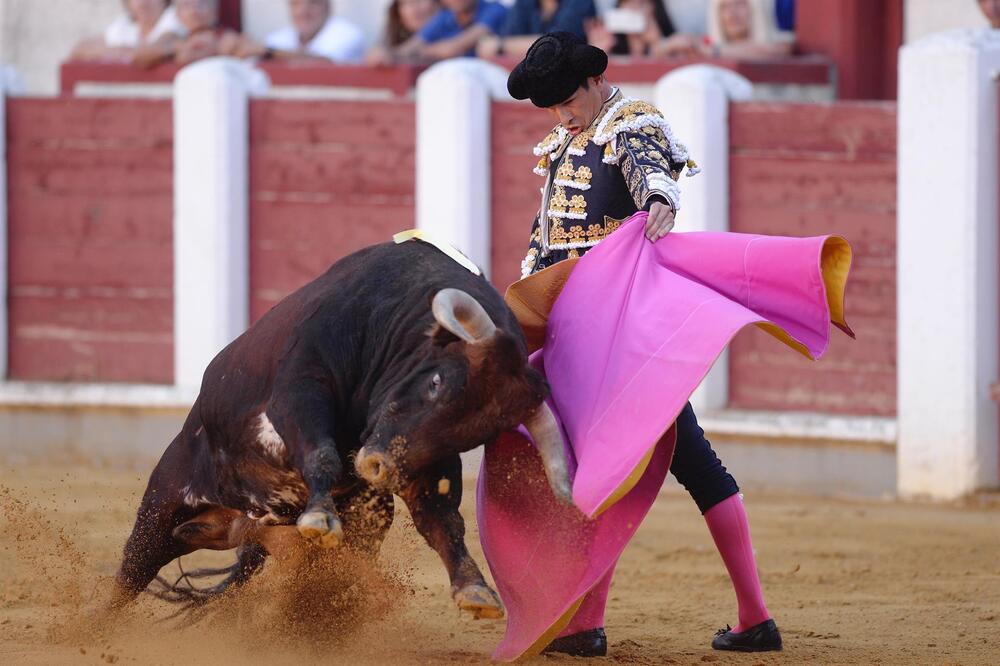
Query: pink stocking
[727, 521]
[590, 615]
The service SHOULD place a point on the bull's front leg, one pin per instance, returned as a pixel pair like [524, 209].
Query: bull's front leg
[433, 499]
[323, 471]
[303, 419]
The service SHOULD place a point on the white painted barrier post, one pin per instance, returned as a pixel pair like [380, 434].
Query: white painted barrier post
[947, 264]
[696, 101]
[211, 278]
[453, 152]
[4, 318]
[10, 83]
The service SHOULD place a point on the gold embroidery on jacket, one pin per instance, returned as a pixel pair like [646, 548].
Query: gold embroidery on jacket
[557, 235]
[542, 168]
[578, 146]
[611, 225]
[558, 203]
[565, 170]
[568, 176]
[576, 236]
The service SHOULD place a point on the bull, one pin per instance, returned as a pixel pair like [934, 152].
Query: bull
[397, 359]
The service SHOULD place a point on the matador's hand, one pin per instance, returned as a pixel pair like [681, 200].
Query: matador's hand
[660, 221]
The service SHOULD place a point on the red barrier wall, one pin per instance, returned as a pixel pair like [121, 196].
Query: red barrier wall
[809, 170]
[516, 129]
[326, 178]
[90, 188]
[861, 36]
[91, 262]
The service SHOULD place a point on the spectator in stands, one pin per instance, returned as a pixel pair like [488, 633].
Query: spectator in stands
[744, 29]
[143, 22]
[204, 37]
[406, 18]
[527, 20]
[991, 10]
[453, 31]
[315, 34]
[655, 37]
[784, 14]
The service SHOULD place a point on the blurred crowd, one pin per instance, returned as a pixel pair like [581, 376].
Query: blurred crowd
[150, 32]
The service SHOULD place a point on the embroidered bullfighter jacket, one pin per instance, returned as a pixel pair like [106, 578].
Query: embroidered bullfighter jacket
[627, 159]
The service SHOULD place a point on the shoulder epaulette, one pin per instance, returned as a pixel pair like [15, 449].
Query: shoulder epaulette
[545, 150]
[632, 115]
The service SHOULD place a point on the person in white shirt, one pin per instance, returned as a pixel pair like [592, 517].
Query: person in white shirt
[203, 37]
[134, 29]
[315, 33]
[143, 23]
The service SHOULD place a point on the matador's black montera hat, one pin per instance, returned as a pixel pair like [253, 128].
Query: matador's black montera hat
[554, 67]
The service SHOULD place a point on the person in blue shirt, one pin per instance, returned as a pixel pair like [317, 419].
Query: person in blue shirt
[527, 20]
[785, 14]
[454, 31]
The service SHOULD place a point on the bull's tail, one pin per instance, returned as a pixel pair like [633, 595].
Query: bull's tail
[184, 591]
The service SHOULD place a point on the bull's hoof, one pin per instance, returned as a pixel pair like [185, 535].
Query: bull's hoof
[321, 527]
[479, 600]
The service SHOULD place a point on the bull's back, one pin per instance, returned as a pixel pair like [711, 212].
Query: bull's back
[380, 291]
[390, 278]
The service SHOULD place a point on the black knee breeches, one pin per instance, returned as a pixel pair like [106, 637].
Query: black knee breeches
[697, 467]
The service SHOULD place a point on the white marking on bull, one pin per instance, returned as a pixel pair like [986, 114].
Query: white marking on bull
[268, 437]
[193, 500]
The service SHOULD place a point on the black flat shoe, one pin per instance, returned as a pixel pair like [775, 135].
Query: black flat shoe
[763, 637]
[590, 643]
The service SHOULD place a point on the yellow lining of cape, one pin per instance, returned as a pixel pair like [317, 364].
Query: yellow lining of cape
[531, 299]
[553, 631]
[629, 483]
[834, 264]
[444, 246]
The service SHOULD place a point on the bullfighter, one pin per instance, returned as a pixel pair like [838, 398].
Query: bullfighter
[609, 158]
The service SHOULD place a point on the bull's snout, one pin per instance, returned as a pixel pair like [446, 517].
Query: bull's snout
[374, 467]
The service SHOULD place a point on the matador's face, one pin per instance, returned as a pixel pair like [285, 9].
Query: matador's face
[580, 110]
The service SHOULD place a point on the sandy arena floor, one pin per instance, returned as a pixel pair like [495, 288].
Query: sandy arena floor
[849, 582]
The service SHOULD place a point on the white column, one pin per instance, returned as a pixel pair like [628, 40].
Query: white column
[695, 101]
[4, 319]
[453, 153]
[211, 280]
[947, 264]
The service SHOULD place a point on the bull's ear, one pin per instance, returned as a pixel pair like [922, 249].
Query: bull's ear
[440, 336]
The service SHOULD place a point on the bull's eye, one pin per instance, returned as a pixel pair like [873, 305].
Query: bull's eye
[435, 387]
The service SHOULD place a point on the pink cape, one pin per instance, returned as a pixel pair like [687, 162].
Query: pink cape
[629, 332]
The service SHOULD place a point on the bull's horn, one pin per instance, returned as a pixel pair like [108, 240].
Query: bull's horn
[462, 315]
[548, 439]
